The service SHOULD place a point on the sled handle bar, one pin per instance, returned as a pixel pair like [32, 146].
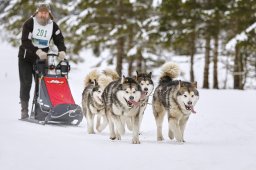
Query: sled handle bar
[41, 67]
[52, 54]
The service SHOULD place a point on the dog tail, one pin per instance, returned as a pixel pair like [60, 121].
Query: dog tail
[170, 71]
[111, 73]
[104, 81]
[91, 77]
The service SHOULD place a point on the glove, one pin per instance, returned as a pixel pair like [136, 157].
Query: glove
[62, 55]
[41, 54]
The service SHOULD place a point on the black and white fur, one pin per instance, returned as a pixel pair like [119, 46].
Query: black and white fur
[121, 100]
[175, 97]
[92, 102]
[147, 86]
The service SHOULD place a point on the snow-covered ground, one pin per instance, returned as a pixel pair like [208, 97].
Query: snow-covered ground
[220, 136]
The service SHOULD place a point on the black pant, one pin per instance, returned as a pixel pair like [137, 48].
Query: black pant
[26, 74]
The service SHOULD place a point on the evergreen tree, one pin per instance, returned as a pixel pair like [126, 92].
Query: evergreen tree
[180, 24]
[15, 13]
[240, 17]
[120, 26]
[214, 25]
[136, 34]
[206, 33]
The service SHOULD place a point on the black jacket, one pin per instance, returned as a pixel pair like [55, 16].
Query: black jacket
[28, 51]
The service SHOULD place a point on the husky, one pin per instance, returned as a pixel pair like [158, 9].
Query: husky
[147, 87]
[175, 97]
[92, 103]
[121, 100]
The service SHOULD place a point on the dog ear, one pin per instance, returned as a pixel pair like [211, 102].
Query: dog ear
[194, 84]
[95, 82]
[179, 85]
[122, 80]
[150, 74]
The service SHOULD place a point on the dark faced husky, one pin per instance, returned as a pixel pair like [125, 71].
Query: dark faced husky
[92, 102]
[175, 97]
[121, 99]
[147, 87]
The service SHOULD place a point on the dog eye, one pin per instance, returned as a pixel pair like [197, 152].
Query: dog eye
[127, 92]
[185, 95]
[192, 96]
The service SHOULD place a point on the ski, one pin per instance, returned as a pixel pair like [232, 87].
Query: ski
[31, 120]
[54, 123]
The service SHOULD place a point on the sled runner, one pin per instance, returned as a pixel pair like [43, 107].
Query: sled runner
[53, 101]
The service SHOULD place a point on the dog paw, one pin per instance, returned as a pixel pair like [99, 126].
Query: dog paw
[180, 141]
[171, 136]
[160, 138]
[112, 137]
[91, 132]
[99, 129]
[135, 141]
[118, 137]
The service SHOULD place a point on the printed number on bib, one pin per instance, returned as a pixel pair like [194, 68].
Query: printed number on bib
[41, 32]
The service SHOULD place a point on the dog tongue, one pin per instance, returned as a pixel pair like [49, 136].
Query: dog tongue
[192, 110]
[134, 102]
[143, 95]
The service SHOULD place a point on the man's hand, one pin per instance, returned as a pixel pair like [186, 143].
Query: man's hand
[62, 55]
[41, 54]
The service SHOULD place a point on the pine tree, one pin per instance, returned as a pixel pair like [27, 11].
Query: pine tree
[15, 13]
[218, 24]
[119, 26]
[180, 22]
[241, 16]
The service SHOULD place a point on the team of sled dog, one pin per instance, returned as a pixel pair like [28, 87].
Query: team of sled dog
[120, 102]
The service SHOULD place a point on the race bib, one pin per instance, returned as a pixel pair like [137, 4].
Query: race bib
[41, 35]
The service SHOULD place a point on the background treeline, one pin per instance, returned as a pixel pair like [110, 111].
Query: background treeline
[140, 33]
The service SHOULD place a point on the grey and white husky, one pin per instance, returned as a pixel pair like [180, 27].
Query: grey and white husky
[121, 99]
[92, 102]
[175, 97]
[147, 86]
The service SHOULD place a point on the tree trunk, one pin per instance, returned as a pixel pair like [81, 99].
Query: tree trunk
[226, 75]
[139, 61]
[130, 66]
[215, 62]
[130, 58]
[207, 62]
[120, 41]
[120, 55]
[192, 53]
[241, 70]
[245, 70]
[144, 69]
[236, 68]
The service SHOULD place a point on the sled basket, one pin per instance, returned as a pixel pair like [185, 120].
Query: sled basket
[53, 100]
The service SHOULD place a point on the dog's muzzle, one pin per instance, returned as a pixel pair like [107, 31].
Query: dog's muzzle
[190, 107]
[143, 95]
[131, 103]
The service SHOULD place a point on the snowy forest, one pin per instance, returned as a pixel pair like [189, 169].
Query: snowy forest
[145, 33]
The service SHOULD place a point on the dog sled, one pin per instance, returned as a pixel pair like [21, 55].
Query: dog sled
[53, 102]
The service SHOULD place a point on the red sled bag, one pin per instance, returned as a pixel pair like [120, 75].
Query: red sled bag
[53, 101]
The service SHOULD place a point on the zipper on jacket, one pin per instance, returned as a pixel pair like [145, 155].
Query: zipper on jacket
[25, 53]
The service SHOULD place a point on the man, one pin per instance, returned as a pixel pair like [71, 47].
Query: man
[36, 35]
